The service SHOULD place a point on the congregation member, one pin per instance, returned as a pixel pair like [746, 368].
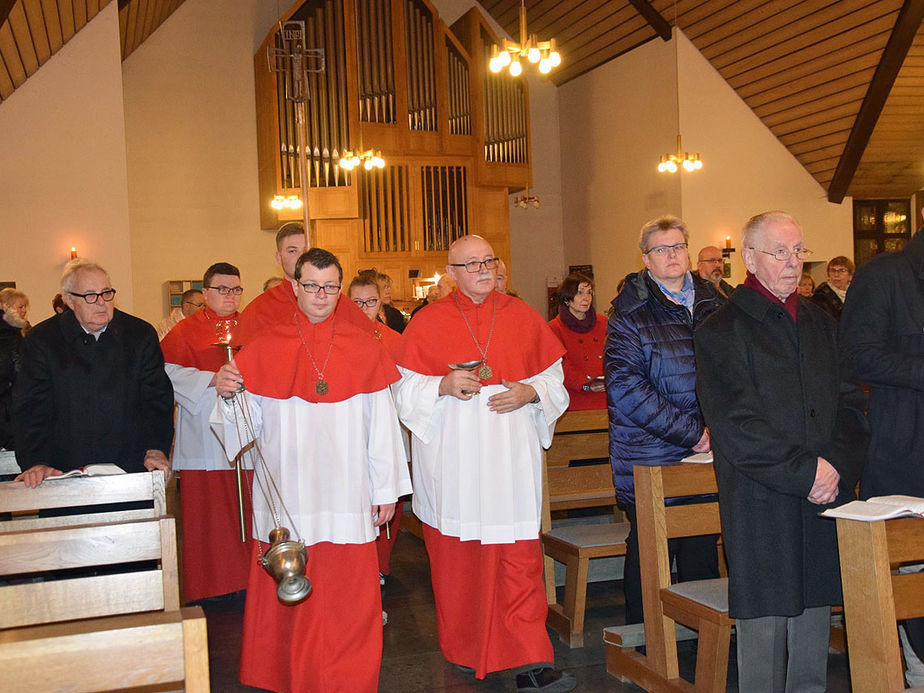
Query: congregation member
[788, 436]
[710, 266]
[272, 282]
[329, 444]
[501, 283]
[481, 389]
[830, 295]
[393, 317]
[882, 339]
[191, 302]
[651, 388]
[92, 386]
[582, 331]
[278, 305]
[806, 286]
[433, 293]
[364, 292]
[14, 323]
[215, 560]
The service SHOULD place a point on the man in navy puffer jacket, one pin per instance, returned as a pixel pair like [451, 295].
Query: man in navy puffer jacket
[650, 373]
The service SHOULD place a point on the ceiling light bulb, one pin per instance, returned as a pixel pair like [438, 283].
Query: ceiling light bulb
[545, 66]
[295, 202]
[555, 58]
[662, 167]
[688, 165]
[504, 58]
[495, 65]
[367, 164]
[516, 69]
[672, 166]
[698, 164]
[277, 202]
[532, 55]
[378, 161]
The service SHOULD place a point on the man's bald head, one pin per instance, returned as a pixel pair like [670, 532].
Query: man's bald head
[476, 252]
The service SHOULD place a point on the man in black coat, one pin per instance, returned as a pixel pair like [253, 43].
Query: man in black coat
[882, 334]
[788, 436]
[92, 386]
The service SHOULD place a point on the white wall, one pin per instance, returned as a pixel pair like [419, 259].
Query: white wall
[615, 122]
[62, 180]
[192, 155]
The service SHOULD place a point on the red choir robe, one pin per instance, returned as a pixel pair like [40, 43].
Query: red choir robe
[215, 560]
[332, 641]
[583, 362]
[500, 624]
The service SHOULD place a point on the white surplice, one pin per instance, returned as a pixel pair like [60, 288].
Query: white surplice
[195, 446]
[477, 473]
[331, 462]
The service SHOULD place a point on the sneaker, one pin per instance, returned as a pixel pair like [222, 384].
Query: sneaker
[546, 680]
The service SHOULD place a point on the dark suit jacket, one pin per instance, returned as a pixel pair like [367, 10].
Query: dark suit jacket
[78, 401]
[774, 398]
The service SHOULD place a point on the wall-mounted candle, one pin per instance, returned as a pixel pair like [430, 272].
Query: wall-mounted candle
[73, 253]
[728, 242]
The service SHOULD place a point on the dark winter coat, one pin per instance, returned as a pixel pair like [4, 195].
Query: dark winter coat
[882, 333]
[774, 399]
[825, 298]
[78, 400]
[650, 374]
[10, 340]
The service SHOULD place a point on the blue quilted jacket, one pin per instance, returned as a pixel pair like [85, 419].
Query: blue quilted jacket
[650, 376]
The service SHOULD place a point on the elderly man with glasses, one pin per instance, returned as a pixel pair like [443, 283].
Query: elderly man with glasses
[789, 436]
[92, 386]
[215, 560]
[650, 380]
[481, 388]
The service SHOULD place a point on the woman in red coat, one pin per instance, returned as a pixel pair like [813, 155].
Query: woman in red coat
[583, 332]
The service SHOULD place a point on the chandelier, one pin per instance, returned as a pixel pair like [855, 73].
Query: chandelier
[286, 202]
[369, 159]
[529, 47]
[671, 163]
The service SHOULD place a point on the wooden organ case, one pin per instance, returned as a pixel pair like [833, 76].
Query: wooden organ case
[454, 136]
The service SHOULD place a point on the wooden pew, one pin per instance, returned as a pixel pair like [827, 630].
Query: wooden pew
[701, 605]
[874, 598]
[110, 626]
[580, 435]
[24, 503]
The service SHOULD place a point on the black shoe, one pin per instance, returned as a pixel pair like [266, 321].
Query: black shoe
[546, 680]
[464, 669]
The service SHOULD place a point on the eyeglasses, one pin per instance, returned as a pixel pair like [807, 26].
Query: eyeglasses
[225, 290]
[783, 255]
[838, 270]
[475, 265]
[93, 296]
[716, 261]
[368, 303]
[193, 303]
[661, 250]
[312, 288]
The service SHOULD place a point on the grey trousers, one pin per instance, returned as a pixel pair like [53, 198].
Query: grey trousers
[779, 654]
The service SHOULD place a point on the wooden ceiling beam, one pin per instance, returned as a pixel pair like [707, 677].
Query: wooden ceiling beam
[653, 17]
[906, 26]
[5, 7]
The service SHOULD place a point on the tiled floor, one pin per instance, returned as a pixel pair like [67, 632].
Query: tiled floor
[412, 663]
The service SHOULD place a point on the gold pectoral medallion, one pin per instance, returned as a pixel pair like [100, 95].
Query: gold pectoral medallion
[321, 387]
[485, 372]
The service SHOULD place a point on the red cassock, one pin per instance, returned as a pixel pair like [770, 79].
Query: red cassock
[385, 544]
[490, 596]
[331, 641]
[215, 560]
[583, 362]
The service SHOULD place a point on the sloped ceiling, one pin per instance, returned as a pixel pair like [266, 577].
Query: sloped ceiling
[805, 67]
[839, 82]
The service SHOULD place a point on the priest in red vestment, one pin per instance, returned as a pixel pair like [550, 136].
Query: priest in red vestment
[329, 466]
[481, 389]
[215, 559]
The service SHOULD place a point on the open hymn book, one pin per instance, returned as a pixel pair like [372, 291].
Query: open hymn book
[102, 469]
[879, 508]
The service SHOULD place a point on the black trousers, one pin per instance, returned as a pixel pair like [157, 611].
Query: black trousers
[697, 559]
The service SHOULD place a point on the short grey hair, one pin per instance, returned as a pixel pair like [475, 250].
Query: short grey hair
[756, 225]
[79, 264]
[665, 223]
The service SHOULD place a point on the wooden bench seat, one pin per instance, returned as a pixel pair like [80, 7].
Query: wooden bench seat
[700, 605]
[578, 476]
[875, 598]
